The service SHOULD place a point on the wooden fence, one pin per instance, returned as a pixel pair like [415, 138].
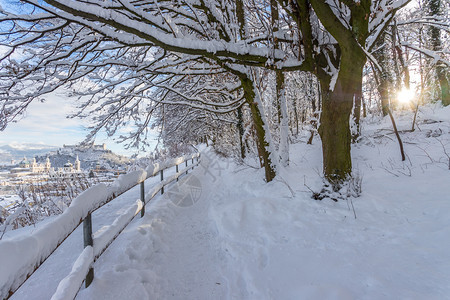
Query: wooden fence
[33, 250]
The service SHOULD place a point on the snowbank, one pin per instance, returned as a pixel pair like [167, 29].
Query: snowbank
[21, 255]
[246, 239]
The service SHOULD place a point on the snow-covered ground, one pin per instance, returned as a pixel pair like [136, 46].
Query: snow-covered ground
[232, 236]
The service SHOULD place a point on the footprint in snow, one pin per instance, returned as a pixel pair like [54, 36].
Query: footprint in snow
[142, 231]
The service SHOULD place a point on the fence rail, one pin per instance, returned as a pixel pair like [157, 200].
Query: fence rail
[26, 254]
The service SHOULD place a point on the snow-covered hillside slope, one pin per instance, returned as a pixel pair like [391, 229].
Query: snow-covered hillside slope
[16, 151]
[232, 236]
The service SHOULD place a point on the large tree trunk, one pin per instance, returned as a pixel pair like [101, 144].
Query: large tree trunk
[334, 124]
[261, 135]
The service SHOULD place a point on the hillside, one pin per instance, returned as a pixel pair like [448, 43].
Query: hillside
[59, 156]
[89, 158]
[16, 151]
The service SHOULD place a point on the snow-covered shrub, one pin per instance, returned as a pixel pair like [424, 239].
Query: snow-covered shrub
[38, 200]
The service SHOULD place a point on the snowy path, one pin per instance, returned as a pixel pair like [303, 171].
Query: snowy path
[171, 253]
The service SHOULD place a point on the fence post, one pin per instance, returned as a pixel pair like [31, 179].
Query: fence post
[87, 236]
[177, 170]
[186, 166]
[162, 178]
[192, 163]
[142, 199]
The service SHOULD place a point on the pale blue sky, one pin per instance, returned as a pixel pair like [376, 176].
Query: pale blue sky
[46, 123]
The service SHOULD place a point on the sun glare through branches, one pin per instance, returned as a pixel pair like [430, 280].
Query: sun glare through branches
[405, 95]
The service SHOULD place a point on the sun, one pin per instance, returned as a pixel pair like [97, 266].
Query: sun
[405, 95]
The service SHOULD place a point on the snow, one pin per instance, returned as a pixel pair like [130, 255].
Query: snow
[69, 286]
[105, 235]
[25, 252]
[247, 239]
[126, 181]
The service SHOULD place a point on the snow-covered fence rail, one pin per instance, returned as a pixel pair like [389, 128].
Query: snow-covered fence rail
[20, 257]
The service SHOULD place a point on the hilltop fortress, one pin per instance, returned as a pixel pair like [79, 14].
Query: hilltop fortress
[91, 146]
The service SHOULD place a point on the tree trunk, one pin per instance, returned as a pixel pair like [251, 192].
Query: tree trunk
[284, 122]
[262, 140]
[283, 119]
[335, 134]
[383, 89]
[364, 107]
[240, 126]
[385, 77]
[434, 9]
[334, 125]
[443, 82]
[357, 110]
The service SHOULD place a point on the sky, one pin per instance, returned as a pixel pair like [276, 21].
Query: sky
[46, 123]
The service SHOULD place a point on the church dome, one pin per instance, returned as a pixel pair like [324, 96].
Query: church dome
[24, 163]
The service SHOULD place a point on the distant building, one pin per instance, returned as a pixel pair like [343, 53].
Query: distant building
[22, 169]
[69, 170]
[91, 146]
[26, 167]
[40, 168]
[24, 163]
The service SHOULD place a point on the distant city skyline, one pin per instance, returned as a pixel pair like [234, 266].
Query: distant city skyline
[46, 123]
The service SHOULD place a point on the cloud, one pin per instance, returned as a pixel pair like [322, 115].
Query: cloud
[46, 122]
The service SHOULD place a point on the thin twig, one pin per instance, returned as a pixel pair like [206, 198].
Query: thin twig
[289, 187]
[354, 212]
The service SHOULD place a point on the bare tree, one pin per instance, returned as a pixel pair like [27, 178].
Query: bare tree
[117, 52]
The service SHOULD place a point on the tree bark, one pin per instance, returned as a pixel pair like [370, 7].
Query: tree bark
[262, 140]
[357, 110]
[434, 7]
[283, 119]
[240, 126]
[385, 77]
[364, 107]
[443, 82]
[334, 127]
[284, 122]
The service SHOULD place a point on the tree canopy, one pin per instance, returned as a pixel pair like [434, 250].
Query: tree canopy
[129, 59]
